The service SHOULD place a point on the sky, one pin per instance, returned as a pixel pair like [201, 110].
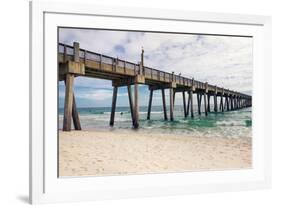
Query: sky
[225, 61]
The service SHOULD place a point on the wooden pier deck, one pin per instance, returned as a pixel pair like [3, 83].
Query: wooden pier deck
[74, 61]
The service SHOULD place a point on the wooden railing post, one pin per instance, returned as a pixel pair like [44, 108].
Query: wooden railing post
[100, 61]
[125, 67]
[64, 53]
[85, 57]
[142, 62]
[76, 52]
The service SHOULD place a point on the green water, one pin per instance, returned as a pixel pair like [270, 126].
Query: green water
[228, 124]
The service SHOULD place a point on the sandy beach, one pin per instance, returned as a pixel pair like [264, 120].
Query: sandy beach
[119, 152]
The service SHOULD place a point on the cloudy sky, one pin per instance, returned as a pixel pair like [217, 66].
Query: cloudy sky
[220, 60]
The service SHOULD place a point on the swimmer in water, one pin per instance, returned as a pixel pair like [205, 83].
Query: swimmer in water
[121, 113]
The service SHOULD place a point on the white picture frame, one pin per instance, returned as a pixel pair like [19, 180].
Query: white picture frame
[46, 187]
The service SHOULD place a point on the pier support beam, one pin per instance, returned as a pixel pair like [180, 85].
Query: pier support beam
[191, 103]
[205, 98]
[221, 102]
[149, 104]
[184, 104]
[205, 104]
[68, 102]
[215, 103]
[75, 115]
[68, 71]
[227, 103]
[238, 102]
[209, 106]
[174, 98]
[136, 106]
[231, 102]
[188, 103]
[191, 97]
[113, 106]
[164, 104]
[131, 103]
[220, 107]
[171, 104]
[216, 100]
[199, 103]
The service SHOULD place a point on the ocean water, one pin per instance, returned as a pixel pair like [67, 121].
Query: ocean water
[231, 124]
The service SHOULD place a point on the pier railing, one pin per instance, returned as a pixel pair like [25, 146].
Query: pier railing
[120, 66]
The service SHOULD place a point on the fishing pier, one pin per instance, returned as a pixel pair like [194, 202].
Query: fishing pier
[74, 61]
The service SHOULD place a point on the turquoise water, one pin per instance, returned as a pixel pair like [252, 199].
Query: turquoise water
[228, 124]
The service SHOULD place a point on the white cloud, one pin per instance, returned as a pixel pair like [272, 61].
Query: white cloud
[220, 60]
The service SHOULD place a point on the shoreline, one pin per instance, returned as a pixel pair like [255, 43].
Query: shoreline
[121, 152]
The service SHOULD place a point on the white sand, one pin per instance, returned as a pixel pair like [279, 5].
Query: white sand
[84, 153]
